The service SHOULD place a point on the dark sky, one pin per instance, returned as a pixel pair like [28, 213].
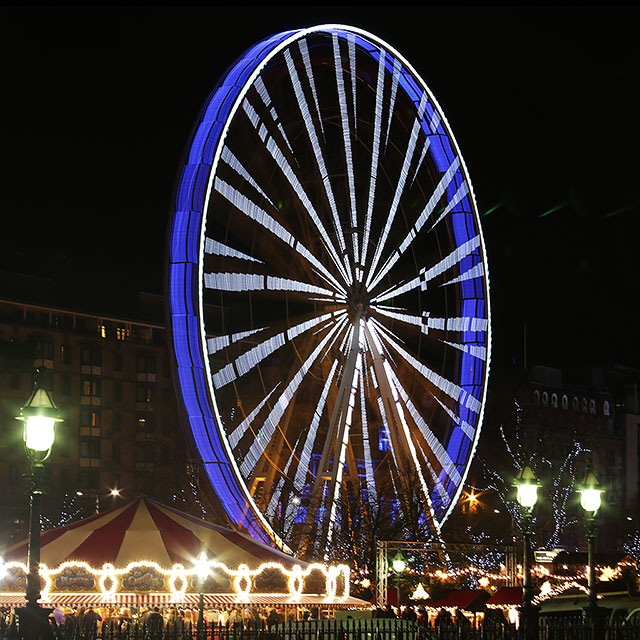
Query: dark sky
[98, 105]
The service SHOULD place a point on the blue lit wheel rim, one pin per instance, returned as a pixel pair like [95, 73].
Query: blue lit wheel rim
[328, 290]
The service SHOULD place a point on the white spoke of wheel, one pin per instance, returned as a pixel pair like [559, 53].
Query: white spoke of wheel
[424, 216]
[474, 272]
[467, 429]
[269, 426]
[252, 358]
[476, 351]
[241, 429]
[425, 148]
[346, 430]
[384, 369]
[452, 390]
[366, 445]
[230, 159]
[253, 282]
[220, 342]
[275, 497]
[397, 68]
[266, 99]
[341, 325]
[287, 171]
[467, 323]
[352, 68]
[402, 179]
[302, 470]
[304, 51]
[463, 191]
[346, 135]
[436, 196]
[375, 155]
[426, 275]
[422, 322]
[215, 248]
[255, 213]
[435, 445]
[439, 487]
[317, 150]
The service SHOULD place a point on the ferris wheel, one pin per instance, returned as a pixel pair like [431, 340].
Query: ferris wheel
[328, 289]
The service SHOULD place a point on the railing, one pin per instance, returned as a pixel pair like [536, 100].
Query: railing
[551, 628]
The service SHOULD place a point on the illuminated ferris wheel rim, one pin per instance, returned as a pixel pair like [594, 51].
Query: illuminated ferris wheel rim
[277, 44]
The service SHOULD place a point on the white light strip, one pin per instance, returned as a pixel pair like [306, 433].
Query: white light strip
[241, 429]
[275, 498]
[220, 342]
[422, 322]
[269, 426]
[266, 98]
[402, 179]
[433, 201]
[253, 282]
[290, 175]
[425, 148]
[375, 155]
[476, 351]
[394, 90]
[228, 157]
[434, 443]
[474, 272]
[462, 191]
[248, 360]
[315, 144]
[346, 135]
[366, 445]
[467, 429]
[426, 275]
[342, 455]
[304, 51]
[431, 205]
[467, 323]
[351, 39]
[446, 386]
[215, 248]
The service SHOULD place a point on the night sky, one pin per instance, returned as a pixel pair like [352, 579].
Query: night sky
[98, 105]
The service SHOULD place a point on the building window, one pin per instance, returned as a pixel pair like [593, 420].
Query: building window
[65, 354]
[605, 408]
[91, 387]
[90, 447]
[102, 330]
[592, 406]
[145, 393]
[565, 402]
[65, 385]
[554, 400]
[45, 349]
[123, 333]
[117, 421]
[91, 355]
[536, 397]
[115, 452]
[117, 391]
[117, 361]
[146, 424]
[146, 364]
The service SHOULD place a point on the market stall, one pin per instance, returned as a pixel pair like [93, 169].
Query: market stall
[148, 554]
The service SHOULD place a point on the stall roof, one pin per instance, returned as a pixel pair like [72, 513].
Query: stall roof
[147, 530]
[506, 597]
[467, 599]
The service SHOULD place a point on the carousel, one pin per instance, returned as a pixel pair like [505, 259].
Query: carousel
[146, 554]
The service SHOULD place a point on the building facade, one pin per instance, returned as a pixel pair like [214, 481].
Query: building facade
[121, 434]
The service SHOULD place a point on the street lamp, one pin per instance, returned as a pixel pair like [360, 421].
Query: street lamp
[527, 496]
[202, 571]
[39, 415]
[591, 498]
[399, 565]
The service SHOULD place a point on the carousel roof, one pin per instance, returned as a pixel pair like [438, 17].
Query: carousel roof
[147, 530]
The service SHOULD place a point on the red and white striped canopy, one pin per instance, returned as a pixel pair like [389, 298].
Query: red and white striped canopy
[145, 530]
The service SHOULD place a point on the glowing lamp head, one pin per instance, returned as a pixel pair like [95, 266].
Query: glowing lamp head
[39, 415]
[590, 491]
[527, 488]
[202, 566]
[398, 563]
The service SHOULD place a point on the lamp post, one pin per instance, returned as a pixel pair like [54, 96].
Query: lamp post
[399, 566]
[39, 415]
[527, 496]
[590, 499]
[202, 571]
